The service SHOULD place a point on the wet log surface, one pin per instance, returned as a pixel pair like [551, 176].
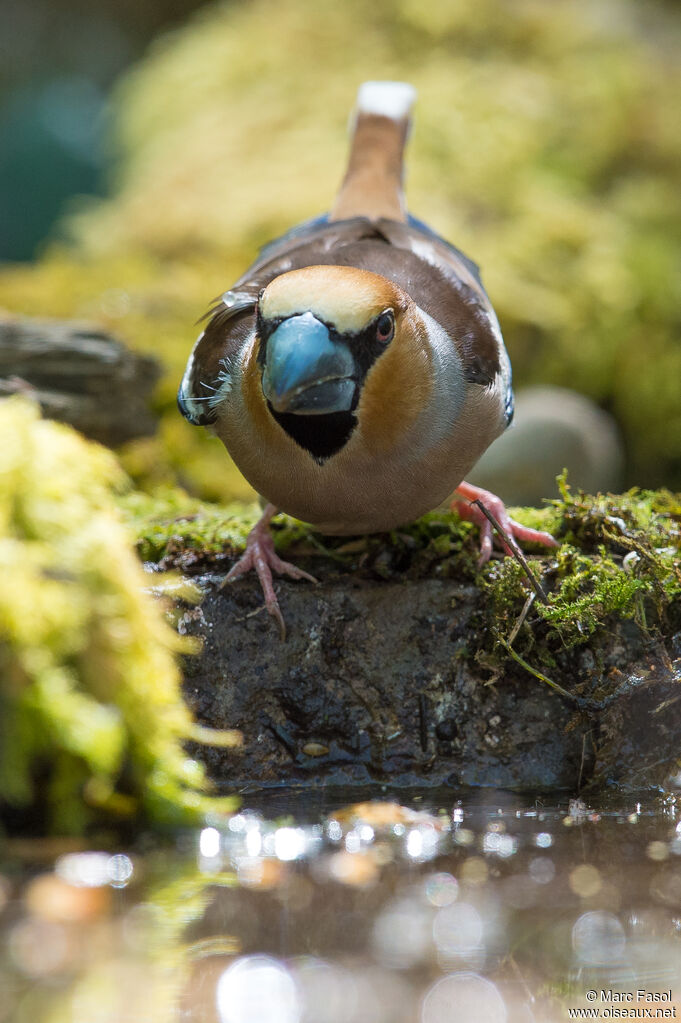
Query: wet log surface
[80, 375]
[388, 682]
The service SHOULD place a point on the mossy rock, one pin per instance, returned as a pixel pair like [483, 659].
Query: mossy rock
[619, 553]
[409, 666]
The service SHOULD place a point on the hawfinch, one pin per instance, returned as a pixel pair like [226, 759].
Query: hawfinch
[356, 372]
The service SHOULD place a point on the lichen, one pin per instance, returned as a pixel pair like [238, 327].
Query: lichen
[92, 719]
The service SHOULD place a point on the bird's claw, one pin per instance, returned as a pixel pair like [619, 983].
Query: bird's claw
[261, 557]
[514, 530]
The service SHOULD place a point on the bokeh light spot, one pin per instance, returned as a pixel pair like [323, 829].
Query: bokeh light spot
[598, 938]
[585, 880]
[257, 989]
[463, 998]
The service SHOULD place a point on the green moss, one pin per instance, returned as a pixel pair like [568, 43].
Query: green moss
[615, 549]
[77, 616]
[174, 529]
[619, 555]
[170, 521]
[619, 559]
[89, 687]
[590, 589]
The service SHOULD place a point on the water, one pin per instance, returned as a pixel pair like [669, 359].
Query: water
[428, 910]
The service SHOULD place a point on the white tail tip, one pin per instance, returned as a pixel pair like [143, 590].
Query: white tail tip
[388, 99]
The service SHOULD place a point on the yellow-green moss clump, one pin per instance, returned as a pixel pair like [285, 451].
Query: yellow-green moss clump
[171, 522]
[547, 144]
[91, 716]
[620, 558]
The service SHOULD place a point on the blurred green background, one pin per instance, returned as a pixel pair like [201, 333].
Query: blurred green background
[547, 145]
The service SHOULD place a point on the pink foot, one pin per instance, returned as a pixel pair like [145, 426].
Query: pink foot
[260, 555]
[495, 505]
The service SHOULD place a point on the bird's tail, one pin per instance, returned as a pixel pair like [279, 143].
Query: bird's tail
[372, 186]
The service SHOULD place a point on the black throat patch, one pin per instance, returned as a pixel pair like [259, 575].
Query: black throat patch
[321, 436]
[324, 436]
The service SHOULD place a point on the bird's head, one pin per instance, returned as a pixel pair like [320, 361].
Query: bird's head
[322, 331]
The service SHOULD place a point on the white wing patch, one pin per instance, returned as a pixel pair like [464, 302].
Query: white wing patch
[190, 405]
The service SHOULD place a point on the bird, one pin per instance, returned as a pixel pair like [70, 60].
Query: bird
[356, 371]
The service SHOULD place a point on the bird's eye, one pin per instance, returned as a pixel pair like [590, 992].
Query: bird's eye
[385, 327]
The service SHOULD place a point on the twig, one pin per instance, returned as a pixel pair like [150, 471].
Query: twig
[514, 549]
[251, 614]
[521, 617]
[326, 551]
[579, 700]
[530, 997]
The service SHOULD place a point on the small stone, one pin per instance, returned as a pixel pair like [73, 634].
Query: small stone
[315, 749]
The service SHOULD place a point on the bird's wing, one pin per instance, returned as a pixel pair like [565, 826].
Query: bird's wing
[450, 289]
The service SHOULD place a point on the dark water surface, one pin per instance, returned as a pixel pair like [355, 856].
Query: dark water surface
[309, 909]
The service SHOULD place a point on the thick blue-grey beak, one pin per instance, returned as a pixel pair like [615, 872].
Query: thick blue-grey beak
[305, 371]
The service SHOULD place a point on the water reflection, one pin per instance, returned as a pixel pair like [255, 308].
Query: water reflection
[463, 998]
[375, 912]
[256, 988]
[598, 938]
